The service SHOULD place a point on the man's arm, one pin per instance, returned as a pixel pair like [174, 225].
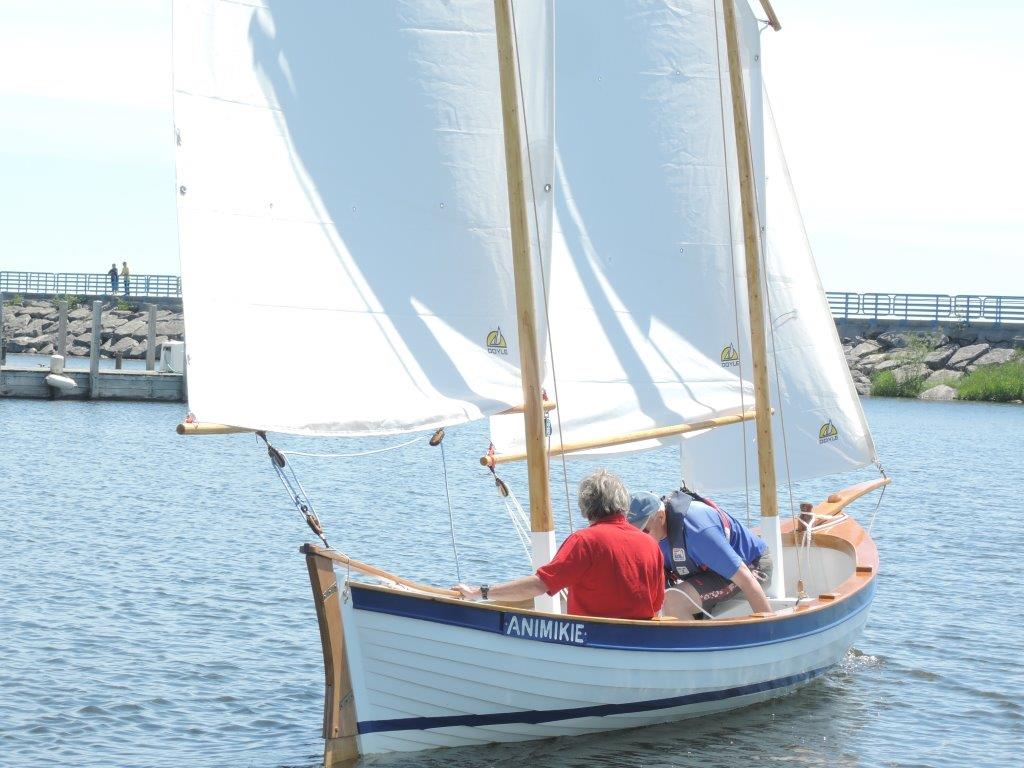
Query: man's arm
[751, 587]
[520, 589]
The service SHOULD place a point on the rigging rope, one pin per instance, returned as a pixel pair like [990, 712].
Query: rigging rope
[543, 275]
[294, 488]
[732, 261]
[438, 440]
[879, 504]
[351, 455]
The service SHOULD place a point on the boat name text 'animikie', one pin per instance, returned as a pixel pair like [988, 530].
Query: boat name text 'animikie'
[550, 630]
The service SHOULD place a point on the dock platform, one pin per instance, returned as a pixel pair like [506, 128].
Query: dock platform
[108, 385]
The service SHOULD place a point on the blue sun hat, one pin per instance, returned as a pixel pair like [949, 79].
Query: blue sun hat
[641, 506]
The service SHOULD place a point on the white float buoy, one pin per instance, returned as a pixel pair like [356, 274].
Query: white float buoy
[56, 377]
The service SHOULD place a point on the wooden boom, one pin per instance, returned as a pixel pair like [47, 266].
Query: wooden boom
[204, 428]
[197, 428]
[628, 437]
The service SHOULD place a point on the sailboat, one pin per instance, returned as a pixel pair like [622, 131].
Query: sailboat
[632, 275]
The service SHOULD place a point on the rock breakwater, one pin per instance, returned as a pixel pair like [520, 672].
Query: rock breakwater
[32, 327]
[926, 365]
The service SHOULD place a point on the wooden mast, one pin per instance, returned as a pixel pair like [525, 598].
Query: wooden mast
[541, 525]
[759, 347]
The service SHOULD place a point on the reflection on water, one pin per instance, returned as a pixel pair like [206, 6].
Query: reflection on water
[155, 610]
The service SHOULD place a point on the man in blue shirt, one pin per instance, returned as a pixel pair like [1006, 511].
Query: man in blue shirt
[710, 556]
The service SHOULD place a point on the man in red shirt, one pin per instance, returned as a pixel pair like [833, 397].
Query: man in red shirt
[610, 568]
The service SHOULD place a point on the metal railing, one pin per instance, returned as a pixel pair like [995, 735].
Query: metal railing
[936, 307]
[87, 284]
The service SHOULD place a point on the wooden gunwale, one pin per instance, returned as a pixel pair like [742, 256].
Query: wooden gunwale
[848, 536]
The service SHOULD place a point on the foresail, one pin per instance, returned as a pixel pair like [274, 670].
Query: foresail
[819, 425]
[646, 330]
[343, 212]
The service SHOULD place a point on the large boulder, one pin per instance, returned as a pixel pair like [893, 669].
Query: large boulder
[939, 357]
[123, 346]
[909, 372]
[29, 344]
[78, 327]
[112, 319]
[15, 323]
[967, 355]
[943, 376]
[887, 365]
[869, 362]
[939, 392]
[36, 327]
[892, 339]
[862, 387]
[82, 313]
[865, 348]
[77, 350]
[170, 328]
[136, 329]
[995, 357]
[38, 311]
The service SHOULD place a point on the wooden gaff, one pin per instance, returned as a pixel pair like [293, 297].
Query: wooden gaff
[627, 437]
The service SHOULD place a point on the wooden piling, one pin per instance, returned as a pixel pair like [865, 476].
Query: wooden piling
[151, 339]
[94, 351]
[62, 328]
[3, 336]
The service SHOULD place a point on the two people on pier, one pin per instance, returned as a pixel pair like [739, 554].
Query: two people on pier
[710, 556]
[610, 568]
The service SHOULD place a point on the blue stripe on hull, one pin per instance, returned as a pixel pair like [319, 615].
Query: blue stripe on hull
[706, 636]
[601, 710]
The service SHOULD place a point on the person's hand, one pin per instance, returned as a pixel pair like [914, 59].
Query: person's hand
[467, 592]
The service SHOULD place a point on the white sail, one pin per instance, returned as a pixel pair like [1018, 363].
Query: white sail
[343, 213]
[646, 329]
[819, 425]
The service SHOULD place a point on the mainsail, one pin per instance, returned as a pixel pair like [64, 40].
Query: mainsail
[820, 424]
[647, 283]
[343, 213]
[648, 307]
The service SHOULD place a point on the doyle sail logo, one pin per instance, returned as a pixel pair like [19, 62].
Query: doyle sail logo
[828, 433]
[548, 630]
[496, 342]
[730, 356]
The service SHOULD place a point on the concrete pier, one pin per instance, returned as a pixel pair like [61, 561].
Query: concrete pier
[109, 385]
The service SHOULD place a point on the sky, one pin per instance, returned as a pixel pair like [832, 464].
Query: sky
[901, 121]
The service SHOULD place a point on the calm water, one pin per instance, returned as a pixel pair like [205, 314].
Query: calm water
[154, 610]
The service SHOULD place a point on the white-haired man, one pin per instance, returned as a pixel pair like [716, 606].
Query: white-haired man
[609, 568]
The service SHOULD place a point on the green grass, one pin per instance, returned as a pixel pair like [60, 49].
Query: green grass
[884, 384]
[997, 383]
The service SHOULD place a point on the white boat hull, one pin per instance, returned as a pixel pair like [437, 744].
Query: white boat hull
[424, 682]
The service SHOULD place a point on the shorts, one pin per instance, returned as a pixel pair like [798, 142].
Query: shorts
[714, 590]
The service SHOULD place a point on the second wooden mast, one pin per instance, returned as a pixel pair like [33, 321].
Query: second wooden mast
[770, 530]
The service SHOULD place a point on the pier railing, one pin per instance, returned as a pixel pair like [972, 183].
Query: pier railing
[87, 284]
[934, 307]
